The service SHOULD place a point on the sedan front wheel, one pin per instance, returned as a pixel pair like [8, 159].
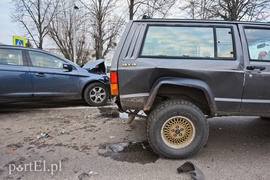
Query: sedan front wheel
[96, 94]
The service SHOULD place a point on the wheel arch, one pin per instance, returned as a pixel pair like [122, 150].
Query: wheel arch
[91, 82]
[192, 90]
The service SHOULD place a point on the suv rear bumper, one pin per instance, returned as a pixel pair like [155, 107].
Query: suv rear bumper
[134, 103]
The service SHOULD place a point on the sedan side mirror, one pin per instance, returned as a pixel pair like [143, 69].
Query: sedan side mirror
[69, 67]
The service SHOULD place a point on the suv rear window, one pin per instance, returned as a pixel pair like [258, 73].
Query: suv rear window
[258, 43]
[185, 42]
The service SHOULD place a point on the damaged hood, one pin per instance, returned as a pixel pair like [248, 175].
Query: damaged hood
[97, 64]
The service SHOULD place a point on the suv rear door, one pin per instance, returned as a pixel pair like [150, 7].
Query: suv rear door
[204, 51]
[256, 96]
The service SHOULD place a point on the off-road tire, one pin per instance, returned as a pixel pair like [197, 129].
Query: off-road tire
[96, 94]
[177, 129]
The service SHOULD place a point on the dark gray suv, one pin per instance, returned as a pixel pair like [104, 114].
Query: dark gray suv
[32, 74]
[181, 72]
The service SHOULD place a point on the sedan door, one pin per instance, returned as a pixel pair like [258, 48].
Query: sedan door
[15, 78]
[50, 78]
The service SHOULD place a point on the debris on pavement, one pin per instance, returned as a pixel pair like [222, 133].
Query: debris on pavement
[43, 135]
[85, 175]
[128, 129]
[190, 168]
[129, 152]
[64, 131]
[112, 137]
[118, 147]
[109, 112]
[93, 173]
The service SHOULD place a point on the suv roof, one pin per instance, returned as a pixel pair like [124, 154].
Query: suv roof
[201, 21]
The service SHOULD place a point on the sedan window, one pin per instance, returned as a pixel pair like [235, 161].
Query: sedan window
[11, 57]
[45, 60]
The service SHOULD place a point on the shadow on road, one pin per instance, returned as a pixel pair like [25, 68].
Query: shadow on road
[36, 105]
[42, 104]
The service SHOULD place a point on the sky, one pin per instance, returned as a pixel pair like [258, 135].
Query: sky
[7, 27]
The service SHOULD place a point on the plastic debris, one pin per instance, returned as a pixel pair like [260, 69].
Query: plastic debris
[116, 147]
[85, 175]
[93, 173]
[190, 168]
[128, 129]
[43, 135]
[64, 131]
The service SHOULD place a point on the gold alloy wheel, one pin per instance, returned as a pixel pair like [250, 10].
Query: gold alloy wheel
[178, 132]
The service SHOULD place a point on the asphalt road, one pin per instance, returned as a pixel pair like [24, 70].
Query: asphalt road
[69, 140]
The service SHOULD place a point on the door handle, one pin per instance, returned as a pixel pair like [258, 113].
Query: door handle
[261, 68]
[40, 75]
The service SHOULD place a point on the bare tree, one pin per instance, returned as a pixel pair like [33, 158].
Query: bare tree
[133, 7]
[61, 31]
[241, 9]
[198, 9]
[105, 25]
[151, 8]
[35, 16]
[157, 8]
[227, 9]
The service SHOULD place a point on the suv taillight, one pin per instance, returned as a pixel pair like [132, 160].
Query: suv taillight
[114, 83]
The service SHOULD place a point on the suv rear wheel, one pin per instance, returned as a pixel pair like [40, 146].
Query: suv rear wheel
[177, 129]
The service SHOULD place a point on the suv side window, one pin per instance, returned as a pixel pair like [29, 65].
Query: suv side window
[258, 44]
[11, 57]
[45, 60]
[224, 43]
[185, 42]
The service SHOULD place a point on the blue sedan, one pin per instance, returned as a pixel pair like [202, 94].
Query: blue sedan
[28, 74]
